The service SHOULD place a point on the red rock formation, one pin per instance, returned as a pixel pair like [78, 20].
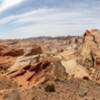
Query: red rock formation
[31, 75]
[12, 52]
[9, 55]
[33, 51]
[5, 63]
[37, 73]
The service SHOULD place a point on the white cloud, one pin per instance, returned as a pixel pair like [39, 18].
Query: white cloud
[45, 14]
[51, 22]
[6, 4]
[25, 15]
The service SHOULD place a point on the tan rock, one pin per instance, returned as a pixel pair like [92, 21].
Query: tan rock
[89, 48]
[33, 51]
[98, 63]
[38, 73]
[66, 55]
[75, 70]
[23, 61]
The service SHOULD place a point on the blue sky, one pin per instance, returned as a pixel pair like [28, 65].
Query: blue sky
[32, 18]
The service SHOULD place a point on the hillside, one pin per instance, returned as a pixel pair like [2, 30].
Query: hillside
[61, 68]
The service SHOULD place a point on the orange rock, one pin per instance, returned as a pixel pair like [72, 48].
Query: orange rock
[6, 62]
[12, 52]
[31, 75]
[94, 30]
[33, 51]
[37, 73]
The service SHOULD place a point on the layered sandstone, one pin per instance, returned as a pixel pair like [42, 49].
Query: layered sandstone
[54, 68]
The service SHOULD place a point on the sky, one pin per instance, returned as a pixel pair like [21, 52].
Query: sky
[33, 18]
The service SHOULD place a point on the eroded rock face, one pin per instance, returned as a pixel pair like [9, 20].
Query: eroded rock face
[33, 51]
[23, 61]
[11, 52]
[90, 48]
[86, 60]
[98, 63]
[30, 75]
[6, 62]
[89, 54]
[65, 63]
[12, 58]
[75, 70]
[37, 73]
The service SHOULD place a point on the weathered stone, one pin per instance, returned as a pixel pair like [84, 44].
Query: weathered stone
[23, 61]
[75, 70]
[39, 72]
[89, 48]
[33, 51]
[12, 52]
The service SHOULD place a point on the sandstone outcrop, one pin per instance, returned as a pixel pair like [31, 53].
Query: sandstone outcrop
[89, 52]
[12, 52]
[33, 51]
[6, 62]
[75, 70]
[23, 61]
[85, 61]
[59, 68]
[37, 73]
[17, 57]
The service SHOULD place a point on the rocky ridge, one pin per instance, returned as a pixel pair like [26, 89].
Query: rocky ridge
[68, 70]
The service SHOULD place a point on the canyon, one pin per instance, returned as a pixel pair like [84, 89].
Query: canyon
[62, 68]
